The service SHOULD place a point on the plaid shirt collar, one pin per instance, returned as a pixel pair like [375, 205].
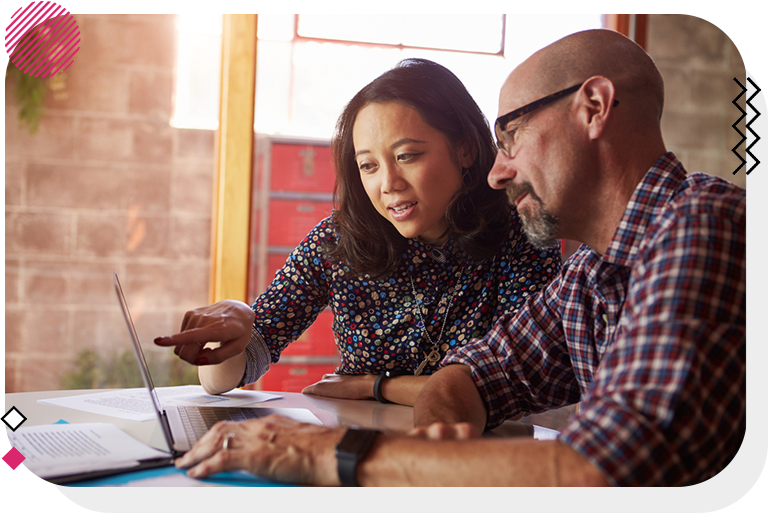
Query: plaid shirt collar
[653, 192]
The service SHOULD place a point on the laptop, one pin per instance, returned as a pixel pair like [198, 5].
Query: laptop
[182, 426]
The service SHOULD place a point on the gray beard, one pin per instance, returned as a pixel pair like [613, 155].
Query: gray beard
[541, 228]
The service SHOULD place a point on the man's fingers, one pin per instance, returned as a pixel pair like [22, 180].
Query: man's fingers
[208, 445]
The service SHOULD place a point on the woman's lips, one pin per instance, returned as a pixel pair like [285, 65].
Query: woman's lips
[402, 211]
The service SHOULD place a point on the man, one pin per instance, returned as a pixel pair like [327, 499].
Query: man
[644, 327]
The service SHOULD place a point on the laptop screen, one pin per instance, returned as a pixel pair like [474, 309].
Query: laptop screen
[137, 349]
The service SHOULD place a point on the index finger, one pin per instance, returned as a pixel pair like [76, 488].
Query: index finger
[198, 335]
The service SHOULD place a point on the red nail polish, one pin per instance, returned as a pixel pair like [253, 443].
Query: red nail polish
[202, 360]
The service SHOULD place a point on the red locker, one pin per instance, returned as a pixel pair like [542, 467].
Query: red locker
[291, 220]
[293, 191]
[302, 167]
[293, 377]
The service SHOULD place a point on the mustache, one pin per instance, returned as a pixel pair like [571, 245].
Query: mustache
[514, 191]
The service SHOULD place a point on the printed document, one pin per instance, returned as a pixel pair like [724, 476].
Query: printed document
[134, 403]
[62, 449]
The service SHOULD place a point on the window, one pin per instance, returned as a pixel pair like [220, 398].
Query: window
[198, 65]
[309, 66]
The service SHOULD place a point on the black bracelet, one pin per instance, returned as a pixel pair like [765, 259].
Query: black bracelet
[351, 450]
[377, 389]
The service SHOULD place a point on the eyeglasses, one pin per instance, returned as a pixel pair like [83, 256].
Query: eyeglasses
[504, 137]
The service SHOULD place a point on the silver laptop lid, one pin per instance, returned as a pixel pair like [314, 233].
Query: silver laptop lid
[142, 363]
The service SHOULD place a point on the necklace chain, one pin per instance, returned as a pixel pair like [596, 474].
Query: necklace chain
[434, 351]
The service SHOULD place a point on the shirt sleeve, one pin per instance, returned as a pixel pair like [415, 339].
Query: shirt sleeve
[667, 405]
[522, 366]
[257, 359]
[291, 303]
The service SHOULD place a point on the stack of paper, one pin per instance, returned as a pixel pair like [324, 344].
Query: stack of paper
[59, 450]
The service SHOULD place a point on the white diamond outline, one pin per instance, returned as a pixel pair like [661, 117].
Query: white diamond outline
[20, 414]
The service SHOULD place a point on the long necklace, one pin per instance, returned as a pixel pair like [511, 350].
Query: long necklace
[434, 353]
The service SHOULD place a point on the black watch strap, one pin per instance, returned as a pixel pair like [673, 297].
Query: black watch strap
[377, 388]
[352, 448]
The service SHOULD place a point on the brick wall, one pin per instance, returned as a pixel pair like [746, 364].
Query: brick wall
[105, 185]
[698, 62]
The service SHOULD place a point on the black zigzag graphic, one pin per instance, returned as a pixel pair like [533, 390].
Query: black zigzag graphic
[743, 114]
[749, 126]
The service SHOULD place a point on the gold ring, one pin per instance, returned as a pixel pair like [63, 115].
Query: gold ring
[227, 438]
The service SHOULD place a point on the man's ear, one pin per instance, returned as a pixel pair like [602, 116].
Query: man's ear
[598, 96]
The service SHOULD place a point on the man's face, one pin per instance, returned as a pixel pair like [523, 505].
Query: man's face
[531, 169]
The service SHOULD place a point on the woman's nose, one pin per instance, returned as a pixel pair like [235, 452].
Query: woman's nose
[392, 179]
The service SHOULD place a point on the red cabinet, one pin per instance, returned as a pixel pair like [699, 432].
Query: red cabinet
[293, 191]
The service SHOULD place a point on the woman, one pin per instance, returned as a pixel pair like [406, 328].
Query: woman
[420, 257]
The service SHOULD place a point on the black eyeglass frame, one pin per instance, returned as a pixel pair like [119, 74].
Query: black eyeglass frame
[502, 121]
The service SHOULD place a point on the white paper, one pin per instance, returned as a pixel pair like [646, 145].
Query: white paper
[544, 433]
[135, 404]
[62, 449]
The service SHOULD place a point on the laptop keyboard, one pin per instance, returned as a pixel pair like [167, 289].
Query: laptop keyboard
[198, 420]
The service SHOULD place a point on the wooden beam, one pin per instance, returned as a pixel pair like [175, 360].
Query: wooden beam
[634, 26]
[234, 156]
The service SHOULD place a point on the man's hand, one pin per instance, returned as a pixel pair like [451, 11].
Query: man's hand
[450, 397]
[228, 322]
[272, 447]
[343, 386]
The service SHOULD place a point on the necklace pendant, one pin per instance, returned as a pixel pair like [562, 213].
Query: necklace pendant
[433, 357]
[421, 368]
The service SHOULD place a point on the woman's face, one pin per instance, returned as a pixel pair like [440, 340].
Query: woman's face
[407, 168]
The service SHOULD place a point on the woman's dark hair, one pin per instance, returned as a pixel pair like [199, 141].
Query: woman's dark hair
[478, 216]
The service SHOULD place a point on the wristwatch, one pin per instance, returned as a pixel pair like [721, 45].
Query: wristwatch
[388, 375]
[352, 448]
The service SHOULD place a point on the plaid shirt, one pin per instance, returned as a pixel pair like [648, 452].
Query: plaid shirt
[650, 338]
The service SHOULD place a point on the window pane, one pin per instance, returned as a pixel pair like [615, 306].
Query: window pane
[379, 28]
[276, 27]
[198, 71]
[473, 32]
[469, 32]
[205, 23]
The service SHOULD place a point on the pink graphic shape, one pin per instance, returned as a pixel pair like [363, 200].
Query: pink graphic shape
[42, 39]
[49, 48]
[10, 458]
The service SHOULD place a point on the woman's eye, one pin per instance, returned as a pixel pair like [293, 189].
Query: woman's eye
[365, 167]
[406, 157]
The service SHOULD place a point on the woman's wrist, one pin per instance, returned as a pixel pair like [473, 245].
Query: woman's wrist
[377, 388]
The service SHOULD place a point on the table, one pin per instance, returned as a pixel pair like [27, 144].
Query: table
[331, 412]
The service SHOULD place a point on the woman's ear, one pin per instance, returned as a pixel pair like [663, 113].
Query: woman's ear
[467, 154]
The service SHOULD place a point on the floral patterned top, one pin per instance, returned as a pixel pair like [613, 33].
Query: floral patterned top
[376, 324]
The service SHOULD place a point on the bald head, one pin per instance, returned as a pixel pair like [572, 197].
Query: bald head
[577, 57]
